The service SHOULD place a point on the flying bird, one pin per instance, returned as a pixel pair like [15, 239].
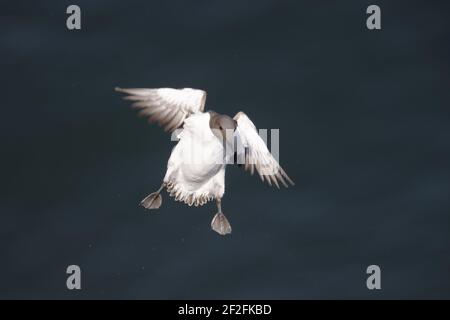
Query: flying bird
[196, 167]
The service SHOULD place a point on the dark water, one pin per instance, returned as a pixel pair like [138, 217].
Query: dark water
[364, 128]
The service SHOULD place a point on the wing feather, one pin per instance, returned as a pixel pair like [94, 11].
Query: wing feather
[257, 156]
[166, 106]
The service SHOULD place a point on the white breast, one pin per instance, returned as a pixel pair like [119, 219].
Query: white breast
[195, 171]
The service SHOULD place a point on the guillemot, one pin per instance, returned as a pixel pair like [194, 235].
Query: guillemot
[196, 167]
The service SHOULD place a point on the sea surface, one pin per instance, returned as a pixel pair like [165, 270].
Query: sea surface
[364, 126]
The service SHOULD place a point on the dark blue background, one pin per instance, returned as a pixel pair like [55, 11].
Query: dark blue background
[365, 133]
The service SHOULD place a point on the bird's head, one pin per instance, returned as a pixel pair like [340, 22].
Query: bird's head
[222, 126]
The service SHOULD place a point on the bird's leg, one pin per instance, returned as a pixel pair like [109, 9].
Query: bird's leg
[153, 200]
[220, 223]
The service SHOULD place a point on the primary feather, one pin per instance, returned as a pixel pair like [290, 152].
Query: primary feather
[257, 156]
[166, 106]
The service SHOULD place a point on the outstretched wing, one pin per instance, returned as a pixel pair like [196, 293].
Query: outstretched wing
[166, 106]
[257, 156]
